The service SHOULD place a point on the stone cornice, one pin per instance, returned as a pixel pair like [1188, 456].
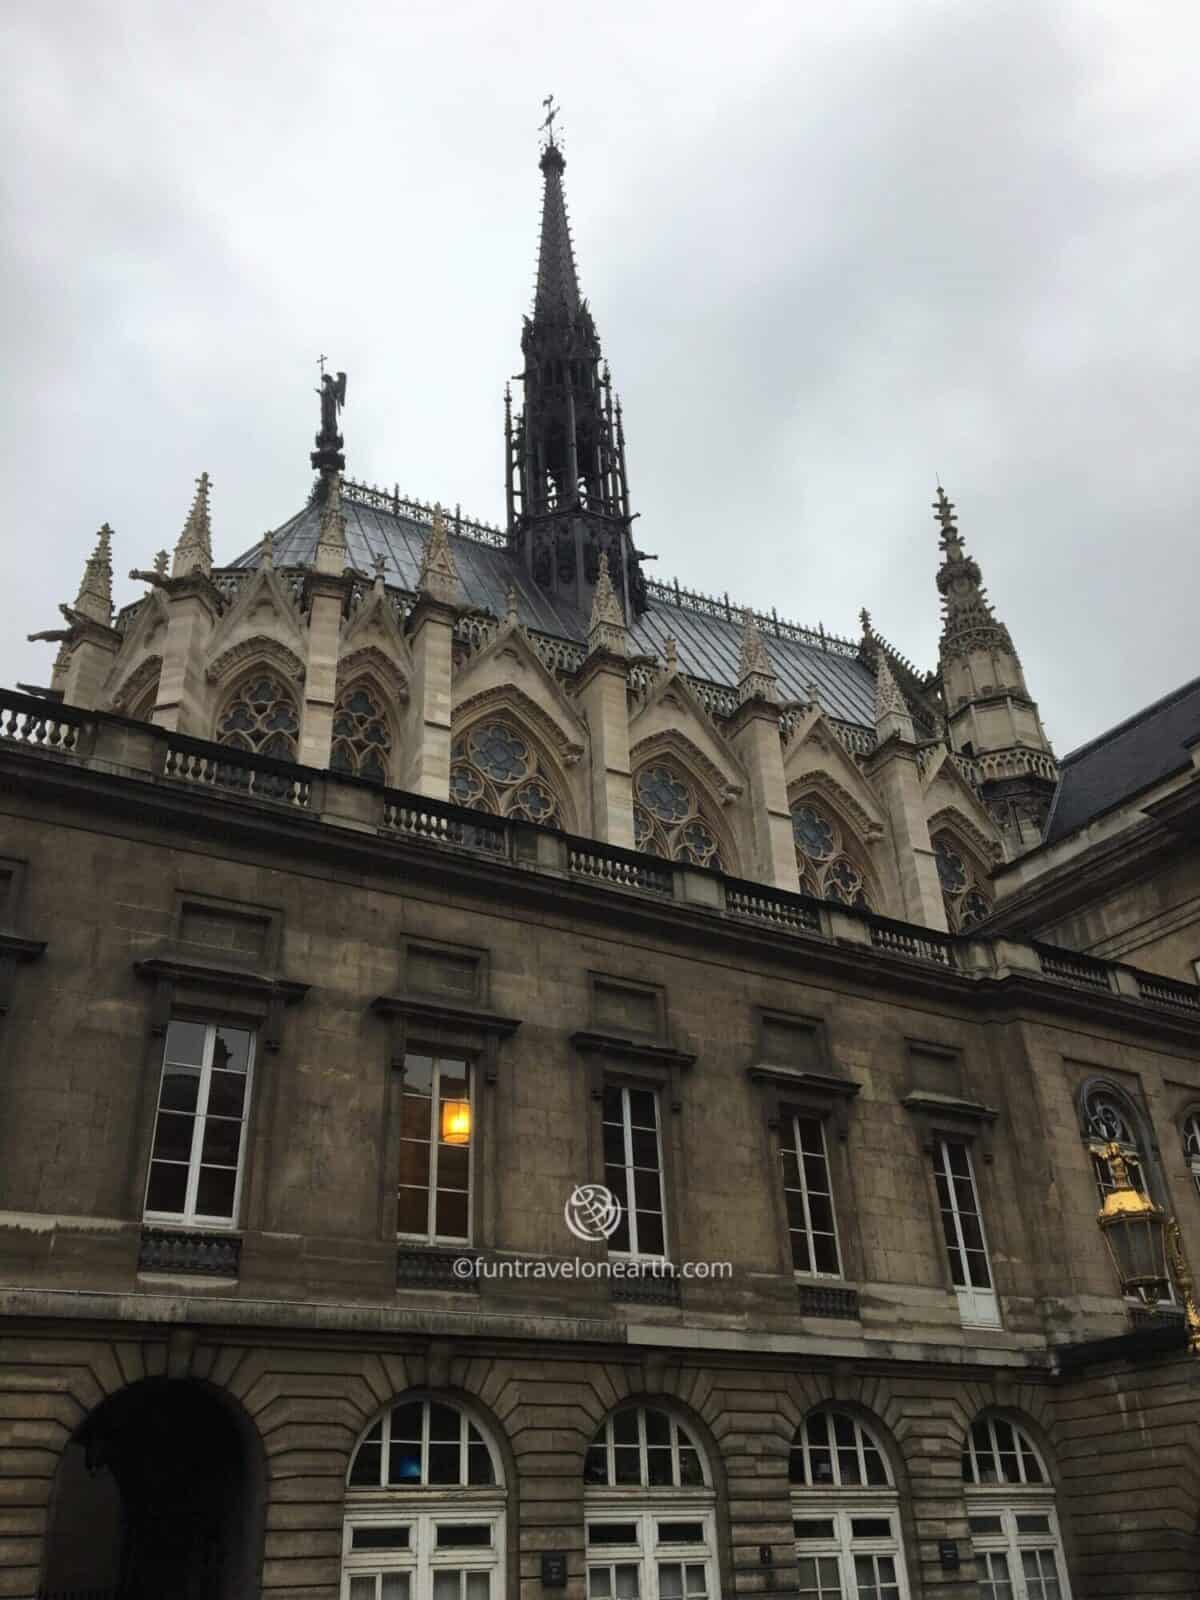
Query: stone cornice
[598, 1041]
[423, 1008]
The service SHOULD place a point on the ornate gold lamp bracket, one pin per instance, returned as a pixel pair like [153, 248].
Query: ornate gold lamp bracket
[1145, 1244]
[1185, 1283]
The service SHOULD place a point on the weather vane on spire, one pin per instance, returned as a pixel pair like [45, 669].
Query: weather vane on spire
[547, 127]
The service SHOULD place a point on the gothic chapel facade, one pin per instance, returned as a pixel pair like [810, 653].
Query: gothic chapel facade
[518, 1078]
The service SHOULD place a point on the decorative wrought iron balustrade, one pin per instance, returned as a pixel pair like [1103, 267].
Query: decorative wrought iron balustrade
[399, 505]
[206, 1255]
[828, 1300]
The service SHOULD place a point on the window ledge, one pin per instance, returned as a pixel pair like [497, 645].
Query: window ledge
[189, 1252]
[421, 1008]
[599, 1041]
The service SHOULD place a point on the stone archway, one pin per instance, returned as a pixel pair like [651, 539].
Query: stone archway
[160, 1491]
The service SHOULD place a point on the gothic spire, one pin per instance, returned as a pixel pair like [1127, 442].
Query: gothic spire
[331, 539]
[892, 716]
[193, 549]
[756, 675]
[438, 576]
[967, 616]
[606, 630]
[95, 591]
[556, 296]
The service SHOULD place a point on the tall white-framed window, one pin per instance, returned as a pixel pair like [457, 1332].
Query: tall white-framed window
[808, 1193]
[199, 1148]
[845, 1512]
[1011, 1515]
[649, 1511]
[1191, 1144]
[425, 1509]
[633, 1169]
[962, 1229]
[436, 1126]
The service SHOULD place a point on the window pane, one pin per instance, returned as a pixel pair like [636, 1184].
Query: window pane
[813, 1528]
[645, 1149]
[365, 1471]
[412, 1211]
[612, 1104]
[647, 1191]
[404, 1462]
[414, 1163]
[659, 1467]
[390, 1538]
[415, 1116]
[658, 1426]
[627, 1463]
[650, 1235]
[691, 1473]
[614, 1144]
[479, 1585]
[221, 1143]
[168, 1187]
[1032, 1524]
[680, 1532]
[670, 1581]
[445, 1424]
[406, 1421]
[595, 1467]
[185, 1042]
[444, 1463]
[612, 1533]
[231, 1050]
[463, 1535]
[418, 1075]
[180, 1086]
[226, 1094]
[173, 1137]
[642, 1109]
[871, 1527]
[454, 1166]
[214, 1192]
[452, 1213]
[362, 1588]
[480, 1463]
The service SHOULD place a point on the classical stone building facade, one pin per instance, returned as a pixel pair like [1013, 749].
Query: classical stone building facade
[364, 898]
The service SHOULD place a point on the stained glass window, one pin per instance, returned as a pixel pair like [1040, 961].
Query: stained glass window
[827, 869]
[667, 818]
[495, 768]
[965, 901]
[361, 741]
[262, 718]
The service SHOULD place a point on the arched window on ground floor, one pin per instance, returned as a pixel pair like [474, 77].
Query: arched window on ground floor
[845, 1512]
[1011, 1515]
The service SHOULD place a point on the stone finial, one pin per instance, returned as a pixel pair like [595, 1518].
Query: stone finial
[95, 591]
[266, 559]
[193, 550]
[606, 630]
[811, 693]
[330, 554]
[671, 654]
[438, 576]
[379, 563]
[756, 675]
[892, 716]
[864, 617]
[161, 562]
[510, 606]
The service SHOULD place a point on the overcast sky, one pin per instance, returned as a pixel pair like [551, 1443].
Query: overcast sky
[832, 250]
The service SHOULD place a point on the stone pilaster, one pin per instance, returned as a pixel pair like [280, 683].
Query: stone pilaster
[893, 770]
[193, 606]
[754, 734]
[326, 592]
[427, 733]
[603, 690]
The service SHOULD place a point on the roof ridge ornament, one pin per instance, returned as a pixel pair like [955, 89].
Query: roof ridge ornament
[193, 549]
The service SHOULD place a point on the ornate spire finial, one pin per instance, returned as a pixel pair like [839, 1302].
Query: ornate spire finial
[864, 616]
[892, 715]
[193, 550]
[161, 562]
[606, 630]
[756, 675]
[557, 291]
[438, 576]
[379, 563]
[95, 590]
[510, 606]
[671, 653]
[331, 540]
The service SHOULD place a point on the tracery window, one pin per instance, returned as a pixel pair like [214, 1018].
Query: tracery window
[1109, 1120]
[965, 901]
[361, 741]
[827, 868]
[845, 1512]
[261, 717]
[495, 768]
[1011, 1515]
[667, 817]
[424, 1509]
[649, 1510]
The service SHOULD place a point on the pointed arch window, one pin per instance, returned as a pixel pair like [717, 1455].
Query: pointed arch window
[1191, 1144]
[1109, 1119]
[496, 768]
[1011, 1515]
[425, 1504]
[845, 1512]
[825, 857]
[261, 716]
[965, 900]
[362, 742]
[649, 1509]
[668, 820]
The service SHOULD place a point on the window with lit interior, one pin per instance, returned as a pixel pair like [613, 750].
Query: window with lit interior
[845, 1512]
[425, 1506]
[649, 1511]
[436, 1118]
[1011, 1515]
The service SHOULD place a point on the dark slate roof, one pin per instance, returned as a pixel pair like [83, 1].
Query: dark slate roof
[708, 645]
[1125, 761]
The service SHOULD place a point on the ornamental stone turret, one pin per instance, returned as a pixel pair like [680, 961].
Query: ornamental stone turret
[990, 714]
[193, 549]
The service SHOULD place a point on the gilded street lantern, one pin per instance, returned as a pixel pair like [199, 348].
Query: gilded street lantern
[1134, 1229]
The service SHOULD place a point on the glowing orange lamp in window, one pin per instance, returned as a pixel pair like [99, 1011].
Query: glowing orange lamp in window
[456, 1122]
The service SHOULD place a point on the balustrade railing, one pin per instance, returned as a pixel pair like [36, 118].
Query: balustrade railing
[628, 869]
[919, 944]
[197, 761]
[27, 719]
[1167, 991]
[1071, 967]
[442, 823]
[794, 912]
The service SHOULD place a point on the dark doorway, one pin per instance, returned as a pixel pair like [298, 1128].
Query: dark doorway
[159, 1493]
